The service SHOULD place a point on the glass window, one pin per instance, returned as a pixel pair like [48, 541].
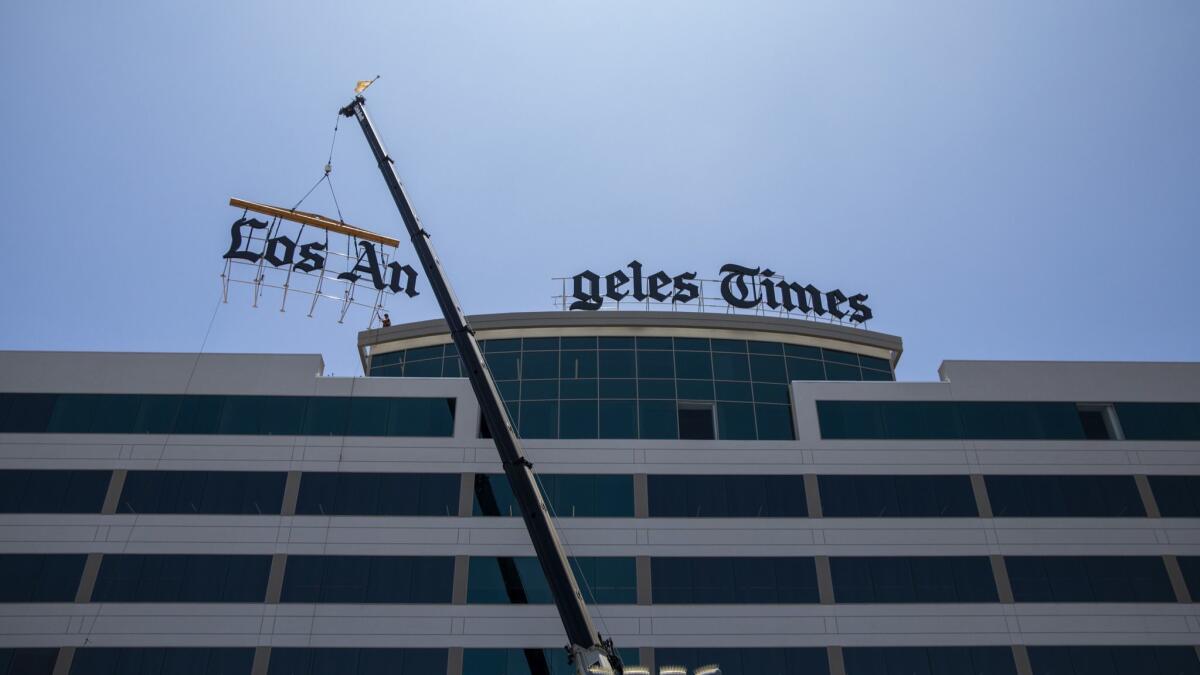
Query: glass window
[368, 417]
[734, 391]
[421, 417]
[579, 419]
[835, 356]
[875, 363]
[1160, 421]
[1064, 497]
[579, 389]
[929, 661]
[657, 419]
[519, 581]
[26, 413]
[696, 422]
[616, 364]
[370, 579]
[40, 577]
[578, 343]
[618, 419]
[656, 388]
[1177, 496]
[768, 369]
[526, 661]
[695, 390]
[735, 421]
[539, 365]
[774, 422]
[504, 365]
[694, 365]
[510, 345]
[730, 367]
[683, 496]
[326, 416]
[618, 389]
[1089, 579]
[771, 393]
[616, 343]
[540, 344]
[693, 344]
[1103, 660]
[578, 364]
[654, 343]
[52, 491]
[568, 495]
[933, 420]
[1095, 423]
[1190, 566]
[539, 419]
[897, 496]
[199, 414]
[26, 661]
[735, 346]
[539, 390]
[162, 660]
[655, 364]
[350, 661]
[210, 492]
[378, 494]
[733, 580]
[182, 578]
[281, 415]
[842, 372]
[748, 660]
[912, 579]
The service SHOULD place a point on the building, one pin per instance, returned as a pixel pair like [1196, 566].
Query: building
[749, 490]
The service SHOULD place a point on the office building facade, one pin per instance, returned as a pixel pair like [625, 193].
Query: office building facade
[753, 491]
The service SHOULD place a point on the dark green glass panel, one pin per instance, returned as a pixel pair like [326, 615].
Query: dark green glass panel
[921, 420]
[73, 414]
[774, 422]
[518, 661]
[240, 415]
[1160, 421]
[1177, 497]
[933, 661]
[618, 388]
[835, 356]
[769, 348]
[571, 389]
[28, 413]
[452, 366]
[387, 359]
[717, 580]
[735, 421]
[424, 353]
[655, 364]
[734, 391]
[493, 346]
[199, 414]
[692, 344]
[327, 416]
[737, 346]
[425, 368]
[540, 344]
[156, 414]
[539, 419]
[730, 367]
[802, 351]
[804, 369]
[617, 364]
[693, 365]
[656, 389]
[503, 366]
[182, 578]
[539, 390]
[875, 363]
[771, 393]
[352, 661]
[695, 390]
[368, 416]
[579, 419]
[281, 415]
[933, 579]
[616, 342]
[750, 660]
[116, 413]
[163, 661]
[657, 343]
[877, 375]
[578, 343]
[40, 577]
[52, 491]
[657, 419]
[873, 496]
[842, 372]
[29, 661]
[578, 364]
[509, 391]
[1089, 579]
[602, 580]
[388, 371]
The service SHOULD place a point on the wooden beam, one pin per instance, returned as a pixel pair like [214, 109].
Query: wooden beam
[315, 220]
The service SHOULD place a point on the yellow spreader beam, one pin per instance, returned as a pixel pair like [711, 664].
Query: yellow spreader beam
[315, 220]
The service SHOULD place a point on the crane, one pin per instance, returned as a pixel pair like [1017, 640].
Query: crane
[590, 652]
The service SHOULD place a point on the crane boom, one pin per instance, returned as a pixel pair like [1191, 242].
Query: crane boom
[591, 653]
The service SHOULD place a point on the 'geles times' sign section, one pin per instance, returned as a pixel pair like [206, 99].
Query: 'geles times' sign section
[741, 288]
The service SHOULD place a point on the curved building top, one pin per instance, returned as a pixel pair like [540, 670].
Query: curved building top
[507, 326]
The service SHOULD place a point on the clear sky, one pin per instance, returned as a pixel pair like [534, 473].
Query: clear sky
[1007, 180]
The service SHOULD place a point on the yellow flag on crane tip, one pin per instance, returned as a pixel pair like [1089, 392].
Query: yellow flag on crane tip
[362, 86]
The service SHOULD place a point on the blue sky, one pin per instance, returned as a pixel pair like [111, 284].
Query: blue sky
[1007, 180]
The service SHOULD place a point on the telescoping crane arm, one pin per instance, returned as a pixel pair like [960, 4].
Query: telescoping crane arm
[591, 653]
